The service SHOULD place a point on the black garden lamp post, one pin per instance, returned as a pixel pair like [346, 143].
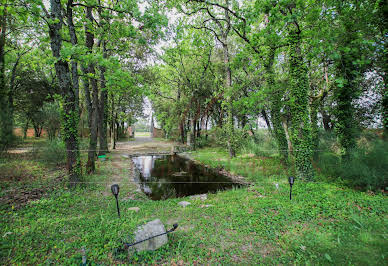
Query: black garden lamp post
[115, 191]
[291, 180]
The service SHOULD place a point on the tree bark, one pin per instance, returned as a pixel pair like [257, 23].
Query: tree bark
[265, 116]
[112, 124]
[228, 84]
[6, 116]
[25, 128]
[103, 111]
[70, 115]
[93, 116]
[74, 42]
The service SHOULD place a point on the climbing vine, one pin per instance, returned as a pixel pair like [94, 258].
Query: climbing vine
[300, 116]
[276, 105]
[346, 90]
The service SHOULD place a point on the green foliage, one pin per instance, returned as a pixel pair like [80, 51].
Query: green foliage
[324, 223]
[364, 167]
[202, 141]
[53, 152]
[262, 144]
[221, 137]
[301, 137]
[52, 121]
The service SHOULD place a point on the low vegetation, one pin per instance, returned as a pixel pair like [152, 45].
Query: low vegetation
[324, 223]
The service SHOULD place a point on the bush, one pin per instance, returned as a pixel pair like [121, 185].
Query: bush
[201, 142]
[52, 118]
[53, 152]
[220, 137]
[261, 144]
[366, 167]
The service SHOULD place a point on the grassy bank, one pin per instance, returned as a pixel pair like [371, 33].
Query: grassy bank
[323, 224]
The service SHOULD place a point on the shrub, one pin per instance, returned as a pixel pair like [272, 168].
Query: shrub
[366, 167]
[201, 142]
[53, 152]
[52, 118]
[220, 137]
[261, 144]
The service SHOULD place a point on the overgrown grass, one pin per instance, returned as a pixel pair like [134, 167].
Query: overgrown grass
[323, 224]
[261, 144]
[253, 168]
[365, 167]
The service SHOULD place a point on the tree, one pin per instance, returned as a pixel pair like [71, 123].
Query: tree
[31, 90]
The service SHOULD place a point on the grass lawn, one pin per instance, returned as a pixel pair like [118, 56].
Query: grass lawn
[323, 224]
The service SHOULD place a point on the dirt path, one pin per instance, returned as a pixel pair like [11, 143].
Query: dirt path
[144, 145]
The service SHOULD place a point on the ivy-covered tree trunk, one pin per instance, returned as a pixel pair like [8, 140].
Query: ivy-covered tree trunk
[344, 93]
[383, 26]
[6, 116]
[276, 105]
[70, 111]
[314, 126]
[300, 131]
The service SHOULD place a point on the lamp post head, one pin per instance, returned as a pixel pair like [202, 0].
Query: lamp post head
[291, 180]
[115, 190]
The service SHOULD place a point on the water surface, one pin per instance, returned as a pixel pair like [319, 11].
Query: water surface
[171, 176]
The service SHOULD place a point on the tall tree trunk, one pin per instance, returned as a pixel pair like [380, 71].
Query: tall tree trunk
[181, 122]
[182, 131]
[285, 127]
[93, 116]
[70, 110]
[189, 133]
[25, 128]
[152, 124]
[207, 135]
[314, 126]
[103, 111]
[228, 87]
[326, 120]
[6, 115]
[300, 115]
[74, 42]
[344, 94]
[192, 133]
[112, 123]
[276, 105]
[383, 25]
[265, 116]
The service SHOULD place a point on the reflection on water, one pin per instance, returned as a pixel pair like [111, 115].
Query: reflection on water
[170, 176]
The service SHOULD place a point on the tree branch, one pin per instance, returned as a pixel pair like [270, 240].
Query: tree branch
[104, 7]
